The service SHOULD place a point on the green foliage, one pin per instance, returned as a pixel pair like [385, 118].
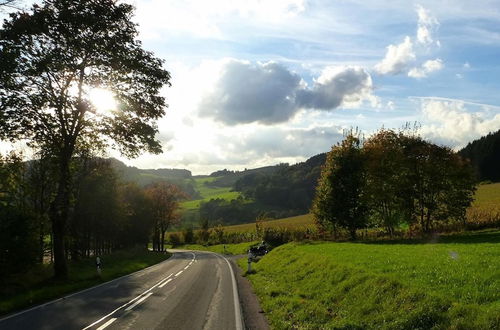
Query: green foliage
[50, 59]
[287, 187]
[339, 200]
[174, 239]
[18, 244]
[188, 235]
[451, 285]
[484, 155]
[399, 178]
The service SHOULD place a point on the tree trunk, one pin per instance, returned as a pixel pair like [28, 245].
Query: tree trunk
[59, 217]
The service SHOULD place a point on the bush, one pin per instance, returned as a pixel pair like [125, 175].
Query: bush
[174, 239]
[188, 235]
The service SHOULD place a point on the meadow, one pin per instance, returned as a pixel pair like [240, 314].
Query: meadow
[447, 282]
[208, 192]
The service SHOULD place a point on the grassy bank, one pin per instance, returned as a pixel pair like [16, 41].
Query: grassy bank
[452, 282]
[37, 286]
[234, 249]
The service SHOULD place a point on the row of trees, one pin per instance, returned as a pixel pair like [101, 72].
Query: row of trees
[392, 178]
[51, 57]
[105, 213]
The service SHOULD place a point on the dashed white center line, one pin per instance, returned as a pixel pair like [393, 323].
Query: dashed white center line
[138, 301]
[107, 323]
[143, 296]
[163, 284]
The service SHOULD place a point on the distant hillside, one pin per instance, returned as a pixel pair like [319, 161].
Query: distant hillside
[484, 155]
[226, 178]
[143, 177]
[286, 187]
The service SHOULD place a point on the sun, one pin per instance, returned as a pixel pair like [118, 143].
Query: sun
[103, 100]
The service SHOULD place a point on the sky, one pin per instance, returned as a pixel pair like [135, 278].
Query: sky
[257, 82]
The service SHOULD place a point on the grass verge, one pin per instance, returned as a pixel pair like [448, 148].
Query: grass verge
[37, 286]
[234, 249]
[453, 283]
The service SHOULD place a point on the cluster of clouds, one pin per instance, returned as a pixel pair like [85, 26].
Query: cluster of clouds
[456, 122]
[270, 93]
[402, 58]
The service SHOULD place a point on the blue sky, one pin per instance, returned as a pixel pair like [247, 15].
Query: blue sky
[261, 82]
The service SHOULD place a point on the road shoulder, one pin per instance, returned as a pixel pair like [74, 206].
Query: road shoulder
[253, 315]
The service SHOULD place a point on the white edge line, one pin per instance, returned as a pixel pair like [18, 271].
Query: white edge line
[163, 284]
[138, 301]
[107, 323]
[237, 308]
[82, 291]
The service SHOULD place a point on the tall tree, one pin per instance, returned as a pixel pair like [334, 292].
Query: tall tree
[339, 200]
[386, 178]
[50, 60]
[165, 200]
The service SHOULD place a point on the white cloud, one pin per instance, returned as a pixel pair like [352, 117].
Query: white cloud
[246, 92]
[466, 65]
[270, 93]
[426, 68]
[453, 123]
[346, 86]
[397, 58]
[426, 25]
[204, 19]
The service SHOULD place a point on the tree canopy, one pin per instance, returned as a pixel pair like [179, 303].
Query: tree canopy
[51, 58]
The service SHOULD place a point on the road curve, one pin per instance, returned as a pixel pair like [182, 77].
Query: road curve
[190, 290]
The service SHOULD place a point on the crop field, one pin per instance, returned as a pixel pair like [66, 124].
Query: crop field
[449, 282]
[208, 192]
[301, 221]
[488, 196]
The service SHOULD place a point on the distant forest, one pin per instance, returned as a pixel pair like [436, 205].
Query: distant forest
[484, 155]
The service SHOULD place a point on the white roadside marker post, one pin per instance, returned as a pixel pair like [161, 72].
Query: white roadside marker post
[249, 262]
[98, 264]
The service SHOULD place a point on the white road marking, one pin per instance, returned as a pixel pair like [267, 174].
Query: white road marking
[163, 284]
[131, 301]
[107, 323]
[237, 310]
[85, 290]
[186, 267]
[138, 301]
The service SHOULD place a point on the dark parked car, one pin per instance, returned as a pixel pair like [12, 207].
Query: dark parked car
[258, 251]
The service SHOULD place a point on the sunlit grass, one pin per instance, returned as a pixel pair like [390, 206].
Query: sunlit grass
[208, 192]
[451, 283]
[235, 249]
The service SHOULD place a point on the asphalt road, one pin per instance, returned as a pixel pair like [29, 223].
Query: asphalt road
[190, 290]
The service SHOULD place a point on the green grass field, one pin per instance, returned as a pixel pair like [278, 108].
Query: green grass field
[37, 286]
[233, 249]
[208, 192]
[450, 283]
